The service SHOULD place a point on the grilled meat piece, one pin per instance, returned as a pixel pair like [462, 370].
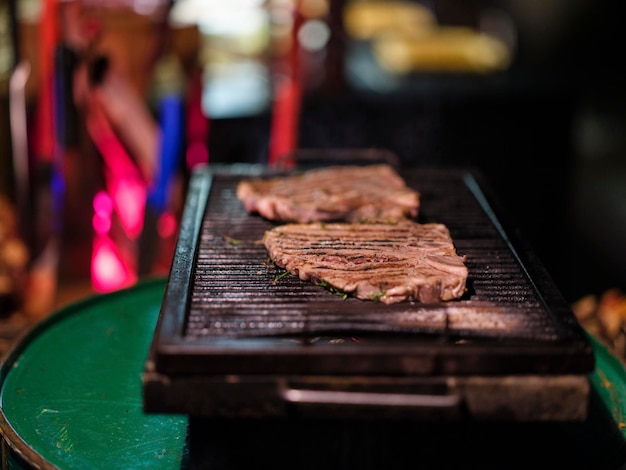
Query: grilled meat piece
[372, 193]
[385, 262]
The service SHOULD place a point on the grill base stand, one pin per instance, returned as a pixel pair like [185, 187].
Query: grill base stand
[512, 398]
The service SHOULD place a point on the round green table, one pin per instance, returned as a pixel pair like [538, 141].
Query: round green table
[71, 393]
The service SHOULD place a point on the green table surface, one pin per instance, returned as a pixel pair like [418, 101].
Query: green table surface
[71, 391]
[72, 394]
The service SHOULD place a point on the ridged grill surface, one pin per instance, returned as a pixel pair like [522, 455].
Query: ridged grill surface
[235, 291]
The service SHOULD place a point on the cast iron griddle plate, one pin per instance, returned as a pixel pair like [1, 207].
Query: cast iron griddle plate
[228, 310]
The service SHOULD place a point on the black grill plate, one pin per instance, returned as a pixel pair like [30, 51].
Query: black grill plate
[227, 310]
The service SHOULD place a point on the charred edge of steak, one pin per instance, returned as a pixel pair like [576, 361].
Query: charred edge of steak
[387, 263]
[374, 193]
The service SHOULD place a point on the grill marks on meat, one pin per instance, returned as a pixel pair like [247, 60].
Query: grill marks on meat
[372, 249]
[383, 262]
[372, 193]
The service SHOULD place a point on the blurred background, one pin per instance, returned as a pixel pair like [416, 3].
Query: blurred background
[107, 106]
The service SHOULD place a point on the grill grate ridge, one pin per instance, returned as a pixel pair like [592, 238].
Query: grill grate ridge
[237, 292]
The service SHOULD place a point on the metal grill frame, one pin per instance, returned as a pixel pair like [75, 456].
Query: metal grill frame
[551, 342]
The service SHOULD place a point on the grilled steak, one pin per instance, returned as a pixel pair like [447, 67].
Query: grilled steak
[385, 262]
[373, 193]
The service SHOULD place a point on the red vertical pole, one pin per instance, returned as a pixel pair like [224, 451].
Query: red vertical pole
[287, 99]
[43, 140]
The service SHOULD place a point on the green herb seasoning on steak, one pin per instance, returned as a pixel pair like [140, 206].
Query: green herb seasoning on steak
[380, 262]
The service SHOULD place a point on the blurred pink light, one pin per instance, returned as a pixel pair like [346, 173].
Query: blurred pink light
[129, 200]
[166, 225]
[102, 203]
[108, 271]
[124, 181]
[101, 223]
[103, 209]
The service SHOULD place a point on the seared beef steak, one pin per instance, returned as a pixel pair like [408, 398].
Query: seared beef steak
[385, 262]
[372, 193]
